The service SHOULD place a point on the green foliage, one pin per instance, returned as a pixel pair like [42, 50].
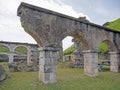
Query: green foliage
[106, 24]
[21, 49]
[69, 50]
[115, 25]
[4, 49]
[68, 79]
[103, 47]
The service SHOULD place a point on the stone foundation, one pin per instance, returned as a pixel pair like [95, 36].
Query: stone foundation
[23, 67]
[3, 74]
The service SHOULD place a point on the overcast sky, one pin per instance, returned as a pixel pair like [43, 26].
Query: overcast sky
[97, 11]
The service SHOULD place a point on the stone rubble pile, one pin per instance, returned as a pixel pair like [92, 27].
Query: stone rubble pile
[3, 74]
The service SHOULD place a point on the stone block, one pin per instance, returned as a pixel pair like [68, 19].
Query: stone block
[48, 68]
[48, 77]
[3, 74]
[90, 63]
[42, 54]
[48, 61]
[114, 62]
[114, 68]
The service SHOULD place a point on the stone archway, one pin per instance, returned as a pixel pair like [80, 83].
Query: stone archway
[5, 51]
[5, 48]
[49, 28]
[114, 56]
[28, 52]
[4, 56]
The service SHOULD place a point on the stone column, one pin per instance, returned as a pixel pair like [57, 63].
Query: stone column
[114, 61]
[60, 52]
[29, 53]
[11, 54]
[48, 65]
[11, 57]
[90, 63]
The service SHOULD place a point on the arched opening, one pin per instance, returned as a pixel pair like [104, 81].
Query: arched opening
[104, 48]
[68, 49]
[4, 50]
[20, 53]
[74, 52]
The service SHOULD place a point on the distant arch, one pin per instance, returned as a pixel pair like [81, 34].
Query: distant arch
[111, 46]
[24, 46]
[4, 48]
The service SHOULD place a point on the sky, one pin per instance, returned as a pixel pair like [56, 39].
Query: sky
[96, 11]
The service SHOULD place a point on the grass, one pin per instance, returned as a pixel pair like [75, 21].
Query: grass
[68, 79]
[115, 25]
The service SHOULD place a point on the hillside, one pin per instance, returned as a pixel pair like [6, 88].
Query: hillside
[69, 50]
[113, 25]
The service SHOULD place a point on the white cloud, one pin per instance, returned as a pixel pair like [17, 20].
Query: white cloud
[101, 10]
[10, 26]
[67, 42]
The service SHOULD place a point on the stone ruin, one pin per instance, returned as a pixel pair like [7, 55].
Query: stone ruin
[49, 28]
[3, 74]
[22, 66]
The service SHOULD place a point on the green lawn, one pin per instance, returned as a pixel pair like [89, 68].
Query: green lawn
[68, 79]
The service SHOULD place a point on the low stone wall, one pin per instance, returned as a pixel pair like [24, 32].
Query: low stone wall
[22, 67]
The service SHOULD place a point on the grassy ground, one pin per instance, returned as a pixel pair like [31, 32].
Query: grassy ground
[68, 79]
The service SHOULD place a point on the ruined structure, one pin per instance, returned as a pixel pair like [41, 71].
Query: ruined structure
[49, 28]
[31, 49]
[3, 74]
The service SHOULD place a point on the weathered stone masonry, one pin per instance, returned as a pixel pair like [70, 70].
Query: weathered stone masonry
[49, 28]
[31, 48]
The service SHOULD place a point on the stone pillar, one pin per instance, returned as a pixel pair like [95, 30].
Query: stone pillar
[11, 54]
[11, 57]
[78, 53]
[90, 63]
[29, 53]
[114, 61]
[60, 52]
[48, 65]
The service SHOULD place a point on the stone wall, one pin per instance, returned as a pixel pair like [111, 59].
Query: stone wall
[49, 28]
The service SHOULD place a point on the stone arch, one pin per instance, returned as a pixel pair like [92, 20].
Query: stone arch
[110, 44]
[24, 46]
[6, 46]
[112, 56]
[77, 35]
[3, 53]
[28, 52]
